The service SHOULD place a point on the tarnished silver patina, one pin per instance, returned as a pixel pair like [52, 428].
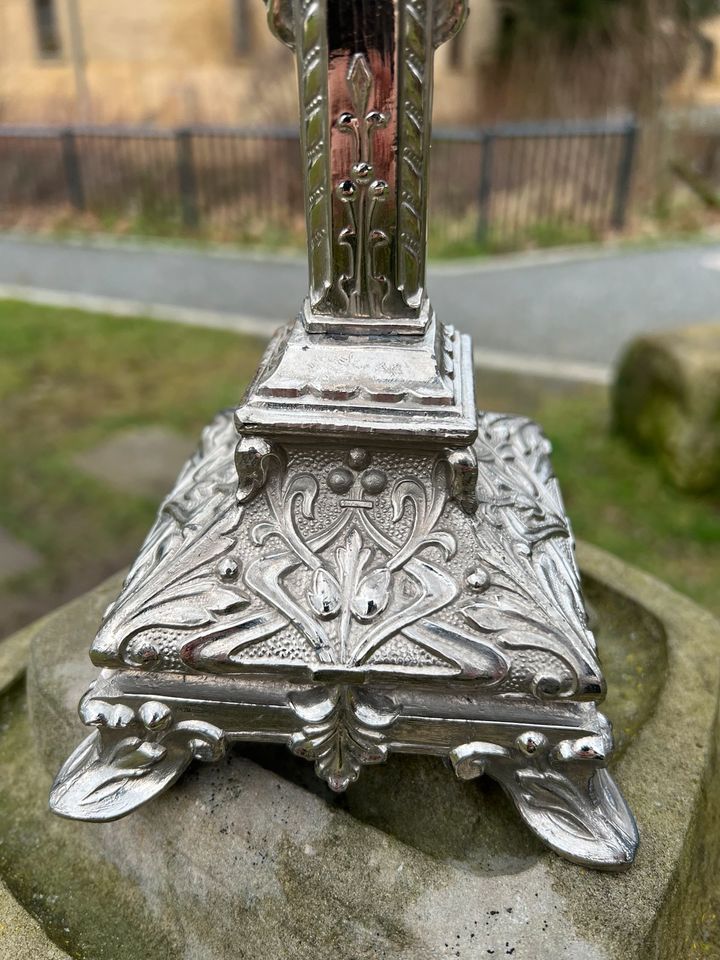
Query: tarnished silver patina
[355, 562]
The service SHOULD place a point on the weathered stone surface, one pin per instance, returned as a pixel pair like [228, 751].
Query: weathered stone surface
[21, 936]
[666, 399]
[144, 460]
[14, 652]
[252, 858]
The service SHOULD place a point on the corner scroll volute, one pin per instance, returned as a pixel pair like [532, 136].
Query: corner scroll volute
[463, 477]
[254, 458]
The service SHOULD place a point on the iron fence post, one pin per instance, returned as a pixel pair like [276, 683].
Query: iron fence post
[187, 183]
[624, 175]
[73, 170]
[485, 190]
[193, 191]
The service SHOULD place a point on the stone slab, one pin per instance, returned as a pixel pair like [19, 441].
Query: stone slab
[144, 460]
[250, 858]
[15, 556]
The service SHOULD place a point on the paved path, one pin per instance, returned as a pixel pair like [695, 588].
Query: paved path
[577, 307]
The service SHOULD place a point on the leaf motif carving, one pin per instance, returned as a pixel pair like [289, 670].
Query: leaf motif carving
[475, 658]
[351, 564]
[559, 585]
[196, 605]
[137, 754]
[305, 488]
[578, 813]
[222, 651]
[324, 595]
[372, 595]
[492, 619]
[533, 597]
[584, 819]
[343, 731]
[176, 582]
[314, 706]
[375, 710]
[352, 557]
[558, 799]
[102, 788]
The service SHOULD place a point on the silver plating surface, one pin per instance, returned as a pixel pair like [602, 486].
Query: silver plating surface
[348, 605]
[355, 563]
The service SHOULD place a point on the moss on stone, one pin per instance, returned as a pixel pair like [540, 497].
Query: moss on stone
[80, 899]
[656, 911]
[666, 399]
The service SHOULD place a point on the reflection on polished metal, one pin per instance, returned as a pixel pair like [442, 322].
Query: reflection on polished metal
[355, 562]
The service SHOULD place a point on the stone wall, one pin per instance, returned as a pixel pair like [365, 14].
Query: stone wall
[175, 61]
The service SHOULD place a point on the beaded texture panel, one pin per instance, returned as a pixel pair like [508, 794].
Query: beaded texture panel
[362, 559]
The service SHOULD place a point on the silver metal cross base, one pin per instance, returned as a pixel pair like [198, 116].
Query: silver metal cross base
[355, 563]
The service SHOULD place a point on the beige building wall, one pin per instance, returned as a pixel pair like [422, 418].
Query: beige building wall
[169, 62]
[699, 82]
[458, 65]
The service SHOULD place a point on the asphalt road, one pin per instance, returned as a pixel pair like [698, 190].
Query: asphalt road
[578, 306]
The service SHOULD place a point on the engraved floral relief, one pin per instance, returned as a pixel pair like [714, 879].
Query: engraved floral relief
[345, 728]
[360, 563]
[205, 590]
[526, 582]
[185, 577]
[352, 560]
[562, 791]
[361, 194]
[133, 754]
[357, 575]
[352, 550]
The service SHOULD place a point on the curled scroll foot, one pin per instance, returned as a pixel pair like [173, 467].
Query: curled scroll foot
[129, 760]
[564, 795]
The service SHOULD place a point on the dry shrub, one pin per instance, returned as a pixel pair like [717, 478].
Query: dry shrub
[626, 67]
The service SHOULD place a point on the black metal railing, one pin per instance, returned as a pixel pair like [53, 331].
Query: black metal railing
[501, 185]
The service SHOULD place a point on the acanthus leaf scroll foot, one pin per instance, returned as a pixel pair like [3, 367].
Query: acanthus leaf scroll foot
[564, 794]
[133, 756]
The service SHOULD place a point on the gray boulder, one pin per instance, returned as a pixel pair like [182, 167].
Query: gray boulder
[666, 400]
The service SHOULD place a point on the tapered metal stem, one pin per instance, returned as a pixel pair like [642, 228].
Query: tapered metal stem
[365, 80]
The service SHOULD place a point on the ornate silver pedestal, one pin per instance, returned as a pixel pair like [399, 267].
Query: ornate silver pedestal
[355, 562]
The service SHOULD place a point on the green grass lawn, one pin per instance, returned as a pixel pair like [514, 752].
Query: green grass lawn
[69, 379]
